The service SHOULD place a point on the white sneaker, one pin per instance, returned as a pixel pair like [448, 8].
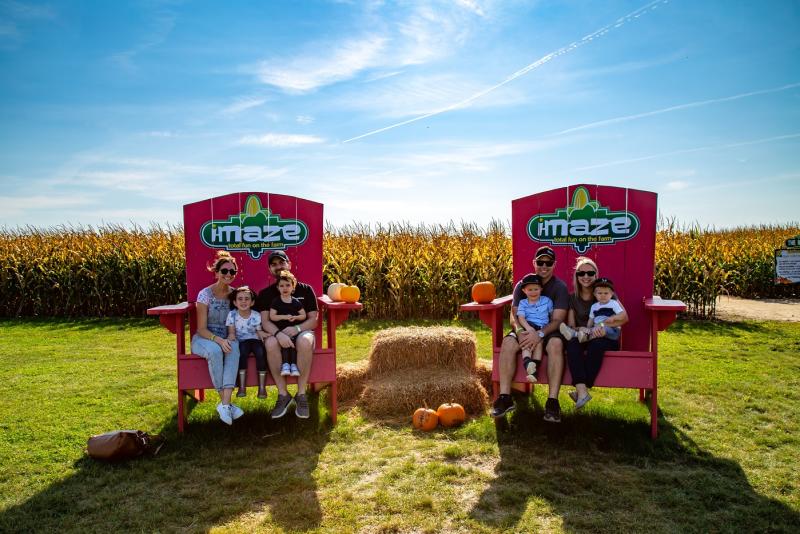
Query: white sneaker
[236, 412]
[224, 411]
[294, 371]
[286, 370]
[566, 331]
[583, 337]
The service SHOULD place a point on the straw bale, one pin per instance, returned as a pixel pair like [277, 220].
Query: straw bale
[483, 371]
[350, 380]
[413, 347]
[402, 393]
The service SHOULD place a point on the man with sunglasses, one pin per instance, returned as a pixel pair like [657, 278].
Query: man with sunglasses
[554, 288]
[304, 342]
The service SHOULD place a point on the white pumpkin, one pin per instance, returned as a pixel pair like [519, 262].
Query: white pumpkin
[335, 291]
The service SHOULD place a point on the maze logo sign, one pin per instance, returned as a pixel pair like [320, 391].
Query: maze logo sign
[583, 224]
[254, 231]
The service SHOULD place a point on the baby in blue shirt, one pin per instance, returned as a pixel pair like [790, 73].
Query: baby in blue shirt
[533, 313]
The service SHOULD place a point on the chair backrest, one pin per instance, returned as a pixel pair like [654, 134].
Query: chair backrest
[614, 226]
[250, 226]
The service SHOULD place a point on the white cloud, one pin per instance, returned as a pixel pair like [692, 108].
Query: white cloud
[280, 140]
[243, 104]
[676, 185]
[304, 119]
[471, 5]
[305, 73]
[398, 36]
[419, 95]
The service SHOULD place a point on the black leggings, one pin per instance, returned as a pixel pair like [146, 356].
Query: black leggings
[584, 368]
[256, 346]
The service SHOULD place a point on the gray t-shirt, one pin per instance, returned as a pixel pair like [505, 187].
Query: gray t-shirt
[581, 308]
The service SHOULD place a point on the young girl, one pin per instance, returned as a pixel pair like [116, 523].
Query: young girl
[244, 326]
[284, 311]
[533, 313]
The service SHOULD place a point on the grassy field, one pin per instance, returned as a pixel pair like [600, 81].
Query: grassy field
[726, 460]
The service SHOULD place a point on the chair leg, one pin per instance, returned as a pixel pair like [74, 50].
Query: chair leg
[641, 394]
[334, 406]
[495, 390]
[654, 413]
[181, 412]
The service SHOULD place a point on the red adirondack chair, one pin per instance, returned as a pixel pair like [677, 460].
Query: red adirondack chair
[616, 227]
[250, 226]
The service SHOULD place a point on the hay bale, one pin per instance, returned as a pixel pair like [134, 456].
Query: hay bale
[483, 371]
[413, 347]
[350, 380]
[403, 392]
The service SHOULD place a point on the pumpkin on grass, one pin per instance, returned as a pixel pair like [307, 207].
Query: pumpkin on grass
[483, 292]
[425, 419]
[451, 414]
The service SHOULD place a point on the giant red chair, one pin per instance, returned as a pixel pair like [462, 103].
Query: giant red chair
[616, 227]
[250, 226]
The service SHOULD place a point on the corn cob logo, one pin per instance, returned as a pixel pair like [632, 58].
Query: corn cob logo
[583, 224]
[254, 231]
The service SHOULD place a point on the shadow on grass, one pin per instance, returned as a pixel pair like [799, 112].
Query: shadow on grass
[258, 472]
[601, 473]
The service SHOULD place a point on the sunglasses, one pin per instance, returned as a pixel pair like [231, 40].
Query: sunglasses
[545, 263]
[585, 273]
[232, 272]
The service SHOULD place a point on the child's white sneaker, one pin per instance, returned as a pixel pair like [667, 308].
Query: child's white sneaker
[583, 337]
[286, 370]
[293, 370]
[224, 411]
[236, 412]
[567, 332]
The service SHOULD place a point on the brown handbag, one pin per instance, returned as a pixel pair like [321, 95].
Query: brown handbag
[123, 445]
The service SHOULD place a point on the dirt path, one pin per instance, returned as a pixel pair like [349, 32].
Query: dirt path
[733, 308]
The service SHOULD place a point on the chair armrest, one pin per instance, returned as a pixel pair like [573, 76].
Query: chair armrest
[172, 309]
[492, 314]
[173, 318]
[337, 313]
[663, 312]
[499, 302]
[324, 301]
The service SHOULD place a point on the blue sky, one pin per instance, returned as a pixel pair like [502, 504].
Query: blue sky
[121, 112]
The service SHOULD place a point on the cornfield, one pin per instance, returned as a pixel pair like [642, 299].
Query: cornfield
[403, 270]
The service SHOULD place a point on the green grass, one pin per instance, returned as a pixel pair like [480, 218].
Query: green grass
[725, 461]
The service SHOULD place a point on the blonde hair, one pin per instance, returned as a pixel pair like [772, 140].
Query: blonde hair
[582, 260]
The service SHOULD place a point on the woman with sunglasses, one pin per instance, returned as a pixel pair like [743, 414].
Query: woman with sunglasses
[211, 341]
[585, 359]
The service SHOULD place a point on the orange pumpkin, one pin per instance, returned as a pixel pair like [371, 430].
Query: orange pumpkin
[425, 419]
[451, 414]
[483, 292]
[350, 294]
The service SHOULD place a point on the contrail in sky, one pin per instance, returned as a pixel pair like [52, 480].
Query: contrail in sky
[525, 70]
[674, 108]
[688, 150]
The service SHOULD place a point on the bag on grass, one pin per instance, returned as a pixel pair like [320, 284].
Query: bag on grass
[123, 445]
